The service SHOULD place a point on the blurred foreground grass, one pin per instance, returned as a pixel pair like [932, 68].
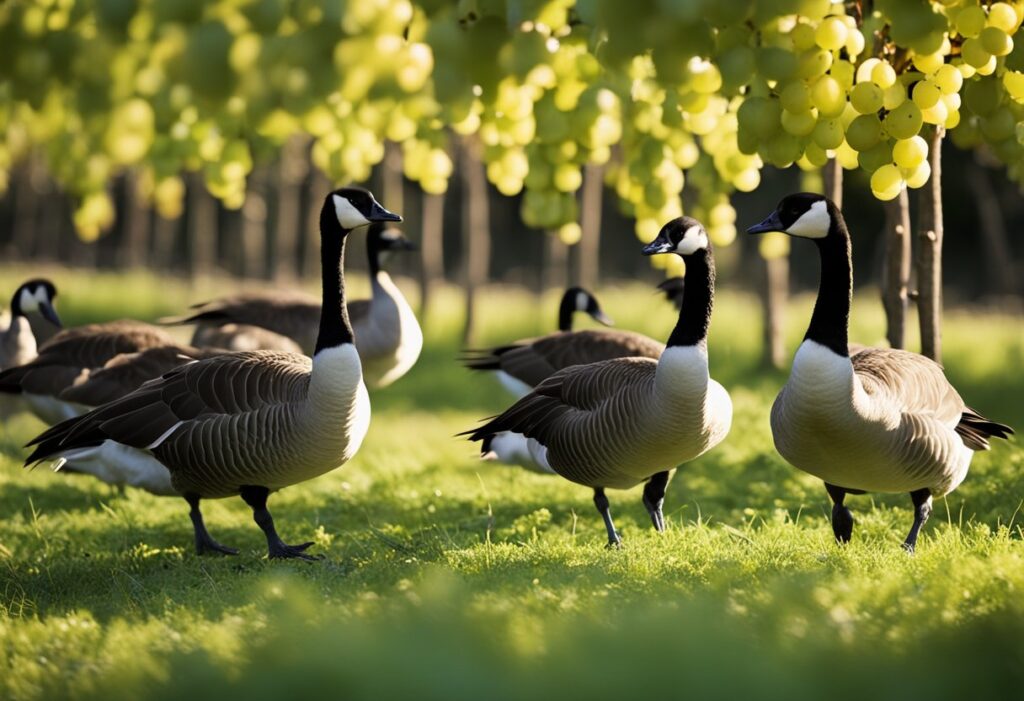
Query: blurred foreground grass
[447, 578]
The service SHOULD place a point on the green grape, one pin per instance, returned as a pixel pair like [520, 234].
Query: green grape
[843, 72]
[866, 98]
[813, 63]
[936, 114]
[783, 150]
[982, 97]
[909, 153]
[865, 68]
[949, 79]
[798, 123]
[828, 133]
[775, 63]
[875, 157]
[883, 74]
[759, 116]
[886, 182]
[816, 155]
[737, 66]
[828, 96]
[796, 96]
[855, 42]
[1014, 84]
[864, 132]
[999, 125]
[975, 54]
[904, 122]
[1003, 16]
[747, 180]
[831, 34]
[917, 177]
[970, 21]
[926, 94]
[996, 41]
[803, 36]
[928, 63]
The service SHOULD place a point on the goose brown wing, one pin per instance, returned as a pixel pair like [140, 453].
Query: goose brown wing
[242, 337]
[292, 314]
[224, 389]
[915, 383]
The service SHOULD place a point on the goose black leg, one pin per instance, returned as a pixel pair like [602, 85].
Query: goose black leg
[654, 499]
[842, 518]
[922, 510]
[256, 498]
[601, 502]
[204, 541]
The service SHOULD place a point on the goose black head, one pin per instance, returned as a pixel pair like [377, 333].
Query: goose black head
[36, 296]
[387, 238]
[805, 214]
[683, 236]
[577, 299]
[354, 207]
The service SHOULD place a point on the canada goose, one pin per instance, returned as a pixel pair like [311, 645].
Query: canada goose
[69, 354]
[388, 337]
[617, 423]
[18, 340]
[250, 422]
[879, 420]
[522, 365]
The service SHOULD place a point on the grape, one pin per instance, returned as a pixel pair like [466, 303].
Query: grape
[759, 116]
[831, 34]
[904, 121]
[886, 182]
[828, 133]
[909, 153]
[975, 54]
[917, 177]
[996, 41]
[928, 63]
[846, 156]
[936, 114]
[883, 75]
[776, 63]
[798, 123]
[1014, 84]
[747, 180]
[970, 21]
[866, 98]
[570, 233]
[828, 96]
[865, 68]
[855, 42]
[864, 132]
[926, 94]
[875, 157]
[813, 63]
[894, 96]
[803, 36]
[816, 155]
[949, 79]
[1003, 16]
[796, 96]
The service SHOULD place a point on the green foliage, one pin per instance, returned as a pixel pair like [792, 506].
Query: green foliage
[449, 578]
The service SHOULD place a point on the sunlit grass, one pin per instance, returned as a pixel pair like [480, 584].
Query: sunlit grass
[448, 578]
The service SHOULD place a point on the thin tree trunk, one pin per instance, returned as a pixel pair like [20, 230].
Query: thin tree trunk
[589, 248]
[476, 234]
[556, 262]
[165, 239]
[896, 269]
[392, 184]
[317, 187]
[832, 176]
[26, 205]
[431, 249]
[774, 299]
[929, 253]
[254, 228]
[202, 227]
[136, 223]
[291, 172]
[994, 238]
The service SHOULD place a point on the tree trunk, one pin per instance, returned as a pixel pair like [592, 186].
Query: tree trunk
[896, 269]
[588, 268]
[254, 228]
[291, 172]
[26, 206]
[476, 234]
[994, 238]
[774, 299]
[165, 240]
[392, 184]
[929, 254]
[136, 224]
[431, 249]
[832, 175]
[317, 187]
[202, 227]
[556, 262]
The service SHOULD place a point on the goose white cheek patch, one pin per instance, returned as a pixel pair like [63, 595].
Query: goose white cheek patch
[812, 224]
[581, 302]
[30, 302]
[348, 216]
[693, 239]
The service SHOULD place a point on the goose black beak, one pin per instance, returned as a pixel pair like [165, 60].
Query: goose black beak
[378, 213]
[602, 318]
[772, 223]
[658, 245]
[49, 313]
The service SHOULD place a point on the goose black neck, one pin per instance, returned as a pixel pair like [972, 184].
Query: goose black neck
[373, 249]
[698, 298]
[335, 328]
[830, 321]
[566, 310]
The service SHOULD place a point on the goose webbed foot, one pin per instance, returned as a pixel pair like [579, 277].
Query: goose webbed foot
[204, 541]
[603, 508]
[256, 498]
[654, 499]
[842, 517]
[922, 499]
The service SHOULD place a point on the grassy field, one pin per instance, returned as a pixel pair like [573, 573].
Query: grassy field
[447, 578]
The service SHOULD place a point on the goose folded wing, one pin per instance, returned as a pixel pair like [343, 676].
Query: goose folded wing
[127, 372]
[915, 383]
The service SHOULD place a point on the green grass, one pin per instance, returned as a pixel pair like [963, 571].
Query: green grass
[448, 578]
